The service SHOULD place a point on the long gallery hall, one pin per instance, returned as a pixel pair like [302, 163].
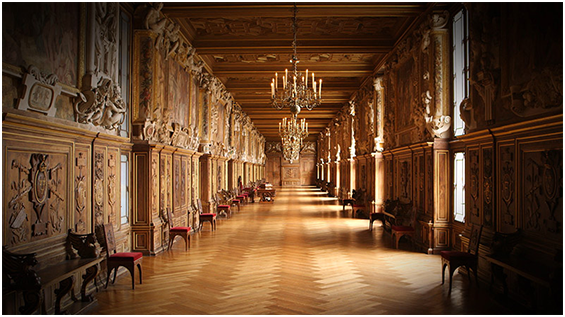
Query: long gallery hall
[317, 157]
[302, 255]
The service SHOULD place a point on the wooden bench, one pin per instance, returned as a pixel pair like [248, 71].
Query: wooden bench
[509, 255]
[82, 256]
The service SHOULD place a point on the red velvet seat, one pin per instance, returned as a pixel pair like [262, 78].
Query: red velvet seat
[469, 259]
[183, 232]
[132, 256]
[398, 232]
[129, 260]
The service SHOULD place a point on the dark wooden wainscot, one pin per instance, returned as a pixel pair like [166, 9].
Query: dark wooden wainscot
[540, 282]
[19, 276]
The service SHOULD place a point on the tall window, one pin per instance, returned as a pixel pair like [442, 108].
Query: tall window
[460, 68]
[459, 187]
[123, 67]
[124, 214]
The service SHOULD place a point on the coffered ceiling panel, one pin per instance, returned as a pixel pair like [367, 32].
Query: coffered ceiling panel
[244, 44]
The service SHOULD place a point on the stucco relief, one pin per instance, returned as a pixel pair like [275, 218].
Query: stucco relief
[101, 106]
[40, 92]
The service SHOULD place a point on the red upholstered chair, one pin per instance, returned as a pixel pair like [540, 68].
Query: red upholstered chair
[184, 232]
[469, 259]
[222, 206]
[230, 196]
[129, 260]
[205, 217]
[404, 224]
[359, 202]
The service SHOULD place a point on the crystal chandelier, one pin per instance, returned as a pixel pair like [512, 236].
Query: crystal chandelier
[292, 133]
[294, 91]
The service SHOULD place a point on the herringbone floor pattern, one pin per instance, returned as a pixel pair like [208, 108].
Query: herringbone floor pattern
[299, 255]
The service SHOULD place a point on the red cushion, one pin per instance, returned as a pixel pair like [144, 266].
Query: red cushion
[360, 206]
[126, 256]
[235, 200]
[240, 196]
[180, 229]
[455, 255]
[208, 214]
[224, 206]
[402, 228]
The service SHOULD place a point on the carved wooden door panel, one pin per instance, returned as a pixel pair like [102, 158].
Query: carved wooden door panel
[307, 170]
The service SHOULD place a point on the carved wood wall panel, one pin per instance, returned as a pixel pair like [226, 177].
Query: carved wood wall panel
[273, 169]
[99, 186]
[82, 185]
[290, 175]
[506, 188]
[473, 188]
[113, 187]
[488, 186]
[155, 185]
[541, 189]
[307, 169]
[38, 192]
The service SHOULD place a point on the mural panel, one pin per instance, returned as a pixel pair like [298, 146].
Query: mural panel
[43, 34]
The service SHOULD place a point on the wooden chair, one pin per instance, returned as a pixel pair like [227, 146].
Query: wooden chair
[222, 206]
[184, 232]
[405, 222]
[469, 259]
[233, 201]
[359, 202]
[205, 217]
[129, 260]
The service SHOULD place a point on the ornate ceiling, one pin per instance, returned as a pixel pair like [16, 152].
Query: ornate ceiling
[244, 44]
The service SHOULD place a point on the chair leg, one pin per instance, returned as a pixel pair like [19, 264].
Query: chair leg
[131, 270]
[171, 240]
[187, 241]
[140, 274]
[371, 224]
[451, 271]
[108, 277]
[443, 266]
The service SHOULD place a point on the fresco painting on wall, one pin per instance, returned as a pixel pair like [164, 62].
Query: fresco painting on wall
[45, 35]
[193, 102]
[405, 91]
[178, 92]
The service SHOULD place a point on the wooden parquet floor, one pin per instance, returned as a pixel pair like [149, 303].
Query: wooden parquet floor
[298, 255]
